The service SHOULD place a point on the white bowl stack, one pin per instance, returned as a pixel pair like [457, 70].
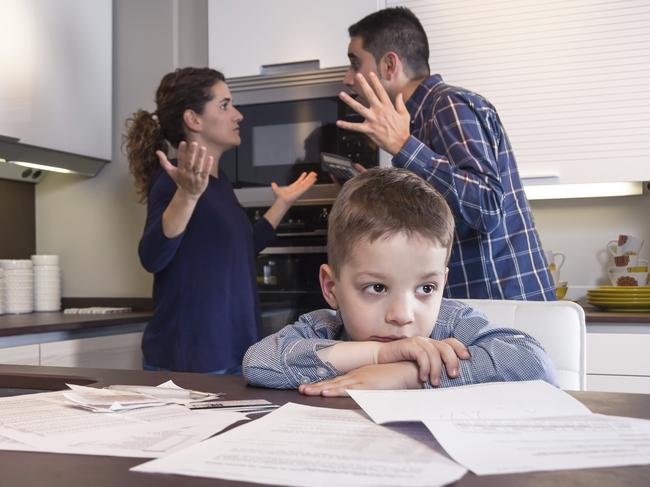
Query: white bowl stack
[47, 283]
[18, 286]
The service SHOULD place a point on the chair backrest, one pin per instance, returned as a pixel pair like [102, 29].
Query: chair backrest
[558, 325]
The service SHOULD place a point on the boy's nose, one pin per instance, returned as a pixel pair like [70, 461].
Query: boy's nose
[400, 312]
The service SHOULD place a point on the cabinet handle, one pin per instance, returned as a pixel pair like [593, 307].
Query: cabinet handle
[291, 67]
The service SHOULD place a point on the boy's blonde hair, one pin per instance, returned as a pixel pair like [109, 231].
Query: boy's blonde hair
[380, 203]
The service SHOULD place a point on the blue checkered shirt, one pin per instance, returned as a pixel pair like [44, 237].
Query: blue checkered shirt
[288, 358]
[459, 145]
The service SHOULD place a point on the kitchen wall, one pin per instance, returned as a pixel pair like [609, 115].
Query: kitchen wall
[95, 224]
[581, 229]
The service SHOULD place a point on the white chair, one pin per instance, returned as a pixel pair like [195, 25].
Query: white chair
[558, 325]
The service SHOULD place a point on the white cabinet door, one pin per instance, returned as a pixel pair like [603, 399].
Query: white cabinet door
[618, 362]
[23, 355]
[106, 352]
[247, 34]
[618, 354]
[569, 80]
[56, 82]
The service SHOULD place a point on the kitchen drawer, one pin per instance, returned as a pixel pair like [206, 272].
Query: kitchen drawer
[618, 354]
[105, 352]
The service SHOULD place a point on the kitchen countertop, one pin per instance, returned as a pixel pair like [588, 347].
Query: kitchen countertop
[42, 322]
[594, 315]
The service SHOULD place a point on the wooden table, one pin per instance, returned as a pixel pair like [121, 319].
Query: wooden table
[32, 469]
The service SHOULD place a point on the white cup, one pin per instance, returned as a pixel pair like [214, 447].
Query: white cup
[554, 261]
[620, 276]
[625, 245]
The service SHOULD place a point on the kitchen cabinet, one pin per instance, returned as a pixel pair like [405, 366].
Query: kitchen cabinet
[20, 355]
[56, 83]
[106, 352]
[569, 80]
[58, 339]
[617, 357]
[247, 35]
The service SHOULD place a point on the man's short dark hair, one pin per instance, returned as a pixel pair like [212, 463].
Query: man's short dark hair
[395, 29]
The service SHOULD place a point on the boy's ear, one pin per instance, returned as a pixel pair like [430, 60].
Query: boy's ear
[327, 286]
[446, 275]
[191, 120]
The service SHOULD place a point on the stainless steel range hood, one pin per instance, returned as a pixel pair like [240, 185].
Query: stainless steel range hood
[28, 163]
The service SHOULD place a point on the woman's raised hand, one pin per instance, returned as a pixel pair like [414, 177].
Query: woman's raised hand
[192, 173]
[289, 194]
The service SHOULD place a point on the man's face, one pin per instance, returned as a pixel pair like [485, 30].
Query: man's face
[361, 61]
[390, 288]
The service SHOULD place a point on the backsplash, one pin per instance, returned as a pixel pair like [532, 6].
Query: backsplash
[17, 220]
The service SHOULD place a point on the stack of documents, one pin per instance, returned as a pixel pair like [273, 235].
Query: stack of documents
[125, 397]
[511, 427]
[48, 422]
[494, 428]
[309, 446]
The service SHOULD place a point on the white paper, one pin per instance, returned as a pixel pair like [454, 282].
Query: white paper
[503, 446]
[510, 427]
[118, 398]
[104, 400]
[306, 446]
[48, 422]
[526, 399]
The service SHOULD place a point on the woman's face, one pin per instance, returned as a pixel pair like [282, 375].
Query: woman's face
[219, 123]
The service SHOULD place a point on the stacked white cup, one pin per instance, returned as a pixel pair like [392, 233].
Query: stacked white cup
[47, 283]
[18, 286]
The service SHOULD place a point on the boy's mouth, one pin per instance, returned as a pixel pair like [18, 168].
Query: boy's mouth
[386, 339]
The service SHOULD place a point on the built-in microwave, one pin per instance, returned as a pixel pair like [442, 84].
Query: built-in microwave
[289, 119]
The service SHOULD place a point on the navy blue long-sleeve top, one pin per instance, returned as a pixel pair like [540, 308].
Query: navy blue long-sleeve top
[206, 310]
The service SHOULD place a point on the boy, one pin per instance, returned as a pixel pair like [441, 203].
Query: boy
[389, 239]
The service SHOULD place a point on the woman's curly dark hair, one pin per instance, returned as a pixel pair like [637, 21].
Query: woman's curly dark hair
[180, 90]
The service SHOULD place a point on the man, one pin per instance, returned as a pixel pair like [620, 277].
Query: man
[454, 139]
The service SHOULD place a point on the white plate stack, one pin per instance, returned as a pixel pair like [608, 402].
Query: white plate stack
[47, 283]
[18, 286]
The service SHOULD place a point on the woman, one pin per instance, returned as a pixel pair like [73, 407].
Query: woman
[197, 239]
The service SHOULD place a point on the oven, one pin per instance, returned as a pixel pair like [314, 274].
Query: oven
[287, 270]
[289, 119]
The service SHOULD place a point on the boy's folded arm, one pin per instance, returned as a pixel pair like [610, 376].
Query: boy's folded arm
[288, 358]
[503, 355]
[497, 353]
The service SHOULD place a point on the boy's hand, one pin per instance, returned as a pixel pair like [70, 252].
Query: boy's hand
[429, 355]
[401, 375]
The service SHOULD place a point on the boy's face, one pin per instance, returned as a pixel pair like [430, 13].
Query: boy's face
[388, 289]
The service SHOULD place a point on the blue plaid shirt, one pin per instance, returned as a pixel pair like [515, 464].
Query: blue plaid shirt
[459, 145]
[288, 358]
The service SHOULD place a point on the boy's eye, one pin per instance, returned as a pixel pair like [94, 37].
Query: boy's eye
[224, 106]
[376, 288]
[426, 289]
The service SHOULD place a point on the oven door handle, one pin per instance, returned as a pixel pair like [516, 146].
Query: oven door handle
[311, 249]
